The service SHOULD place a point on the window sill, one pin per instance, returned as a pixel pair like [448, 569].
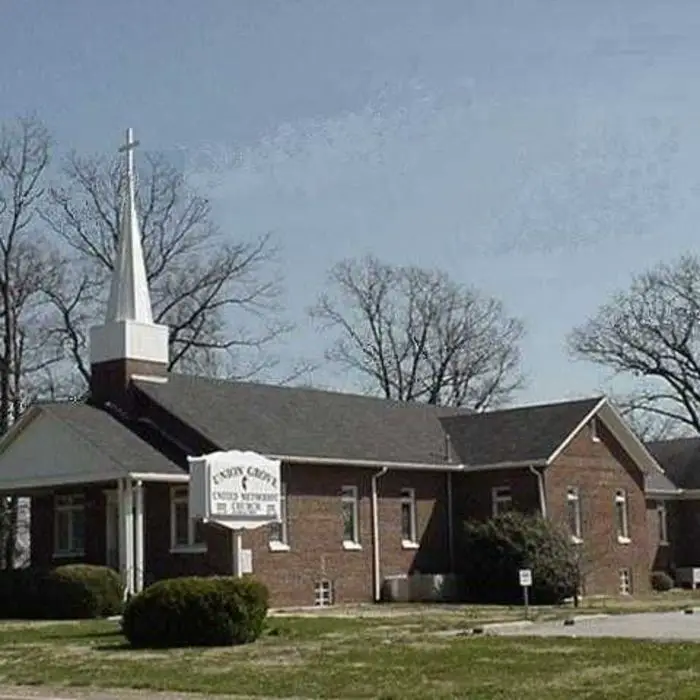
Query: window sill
[69, 555]
[351, 546]
[275, 546]
[624, 540]
[192, 549]
[409, 544]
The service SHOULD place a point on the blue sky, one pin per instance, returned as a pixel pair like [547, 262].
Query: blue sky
[543, 150]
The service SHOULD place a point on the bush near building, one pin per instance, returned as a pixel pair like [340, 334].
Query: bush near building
[493, 552]
[197, 611]
[75, 591]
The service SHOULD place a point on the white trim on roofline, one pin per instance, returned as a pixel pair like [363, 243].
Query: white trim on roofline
[576, 430]
[55, 482]
[627, 438]
[371, 463]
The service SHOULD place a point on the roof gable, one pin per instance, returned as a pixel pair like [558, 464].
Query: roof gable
[299, 422]
[527, 434]
[74, 443]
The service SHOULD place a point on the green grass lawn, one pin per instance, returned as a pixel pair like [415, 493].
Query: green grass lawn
[405, 655]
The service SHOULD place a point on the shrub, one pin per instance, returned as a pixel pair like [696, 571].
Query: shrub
[495, 550]
[68, 592]
[661, 581]
[84, 591]
[197, 611]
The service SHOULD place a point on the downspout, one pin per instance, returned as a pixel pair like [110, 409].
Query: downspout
[450, 523]
[540, 488]
[375, 535]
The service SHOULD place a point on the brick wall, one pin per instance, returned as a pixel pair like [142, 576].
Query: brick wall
[160, 562]
[684, 532]
[598, 470]
[316, 534]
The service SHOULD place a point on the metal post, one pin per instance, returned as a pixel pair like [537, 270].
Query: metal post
[237, 547]
[526, 601]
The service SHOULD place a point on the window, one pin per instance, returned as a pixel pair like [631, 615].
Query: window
[621, 517]
[69, 525]
[279, 532]
[185, 534]
[351, 525]
[593, 429]
[625, 582]
[501, 500]
[663, 522]
[323, 593]
[409, 535]
[573, 506]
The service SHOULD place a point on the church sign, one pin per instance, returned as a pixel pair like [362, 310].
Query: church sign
[238, 489]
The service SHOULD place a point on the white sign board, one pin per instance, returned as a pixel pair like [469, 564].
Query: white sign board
[525, 576]
[240, 489]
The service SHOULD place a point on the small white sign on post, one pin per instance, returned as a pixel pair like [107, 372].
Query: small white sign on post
[525, 577]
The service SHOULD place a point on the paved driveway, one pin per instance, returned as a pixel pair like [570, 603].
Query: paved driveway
[678, 626]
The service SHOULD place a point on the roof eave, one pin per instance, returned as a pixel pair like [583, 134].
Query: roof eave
[367, 463]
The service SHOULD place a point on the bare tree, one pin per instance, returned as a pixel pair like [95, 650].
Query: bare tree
[26, 269]
[416, 335]
[219, 298]
[651, 333]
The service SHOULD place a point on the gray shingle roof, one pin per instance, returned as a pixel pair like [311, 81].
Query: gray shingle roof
[528, 433]
[114, 440]
[680, 459]
[301, 422]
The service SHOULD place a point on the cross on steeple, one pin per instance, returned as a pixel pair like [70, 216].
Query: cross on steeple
[128, 148]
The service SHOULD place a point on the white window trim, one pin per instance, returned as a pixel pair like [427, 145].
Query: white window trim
[573, 496]
[497, 499]
[593, 428]
[71, 504]
[176, 498]
[352, 545]
[408, 497]
[662, 514]
[621, 498]
[281, 544]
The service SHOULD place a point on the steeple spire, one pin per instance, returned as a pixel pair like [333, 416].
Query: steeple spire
[128, 343]
[129, 299]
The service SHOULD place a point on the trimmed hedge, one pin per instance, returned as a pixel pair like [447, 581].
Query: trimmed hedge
[661, 581]
[496, 549]
[75, 591]
[197, 611]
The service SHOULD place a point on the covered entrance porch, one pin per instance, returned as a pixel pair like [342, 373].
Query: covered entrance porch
[86, 476]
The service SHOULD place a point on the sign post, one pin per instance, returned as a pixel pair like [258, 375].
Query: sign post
[525, 576]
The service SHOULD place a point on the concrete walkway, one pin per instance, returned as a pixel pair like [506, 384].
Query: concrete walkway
[678, 626]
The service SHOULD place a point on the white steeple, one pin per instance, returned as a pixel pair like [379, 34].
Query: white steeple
[129, 299]
[129, 332]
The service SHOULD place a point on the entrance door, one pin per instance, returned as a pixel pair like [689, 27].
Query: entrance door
[112, 530]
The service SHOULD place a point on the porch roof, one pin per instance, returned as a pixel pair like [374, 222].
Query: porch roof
[56, 444]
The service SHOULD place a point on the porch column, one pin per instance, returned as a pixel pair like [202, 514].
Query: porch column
[126, 532]
[138, 538]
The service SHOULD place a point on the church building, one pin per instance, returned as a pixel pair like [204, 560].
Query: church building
[373, 491]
